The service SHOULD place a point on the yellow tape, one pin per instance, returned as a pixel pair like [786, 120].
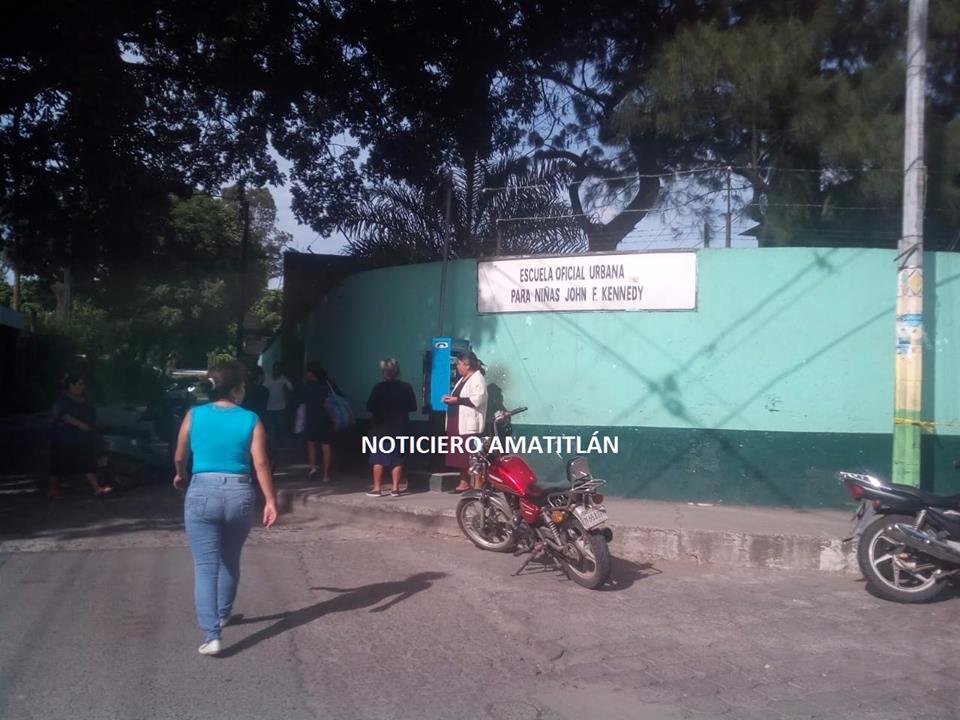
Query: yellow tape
[927, 425]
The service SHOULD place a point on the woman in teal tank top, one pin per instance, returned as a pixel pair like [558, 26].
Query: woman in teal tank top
[221, 437]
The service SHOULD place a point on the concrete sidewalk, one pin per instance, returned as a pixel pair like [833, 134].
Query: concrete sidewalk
[784, 538]
[642, 529]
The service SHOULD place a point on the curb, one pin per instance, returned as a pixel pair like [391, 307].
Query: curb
[635, 543]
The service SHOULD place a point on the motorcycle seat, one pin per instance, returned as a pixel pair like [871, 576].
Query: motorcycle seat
[942, 501]
[538, 495]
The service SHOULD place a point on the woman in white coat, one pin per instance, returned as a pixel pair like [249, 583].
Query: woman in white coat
[466, 412]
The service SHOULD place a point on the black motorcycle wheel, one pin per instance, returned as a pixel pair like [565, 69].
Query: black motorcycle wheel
[591, 568]
[488, 527]
[886, 565]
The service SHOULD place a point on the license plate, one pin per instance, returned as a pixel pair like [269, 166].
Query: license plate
[590, 518]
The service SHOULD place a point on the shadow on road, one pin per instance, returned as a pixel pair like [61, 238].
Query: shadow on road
[623, 573]
[27, 515]
[79, 515]
[950, 592]
[347, 599]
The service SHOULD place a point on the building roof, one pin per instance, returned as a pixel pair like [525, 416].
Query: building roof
[12, 318]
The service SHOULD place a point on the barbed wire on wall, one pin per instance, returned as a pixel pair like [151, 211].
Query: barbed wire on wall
[680, 233]
[715, 170]
[686, 215]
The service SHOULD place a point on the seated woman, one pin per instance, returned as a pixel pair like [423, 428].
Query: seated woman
[74, 439]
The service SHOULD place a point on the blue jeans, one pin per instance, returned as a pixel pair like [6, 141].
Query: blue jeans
[218, 514]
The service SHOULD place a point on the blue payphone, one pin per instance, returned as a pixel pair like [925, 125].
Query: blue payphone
[440, 370]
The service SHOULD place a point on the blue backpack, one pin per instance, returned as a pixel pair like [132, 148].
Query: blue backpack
[338, 410]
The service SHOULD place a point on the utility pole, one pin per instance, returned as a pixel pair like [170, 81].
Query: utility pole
[17, 286]
[67, 293]
[908, 363]
[64, 294]
[446, 250]
[244, 244]
[729, 215]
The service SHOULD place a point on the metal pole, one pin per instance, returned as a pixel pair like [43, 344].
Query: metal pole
[446, 252]
[908, 363]
[729, 215]
[67, 292]
[17, 287]
[244, 243]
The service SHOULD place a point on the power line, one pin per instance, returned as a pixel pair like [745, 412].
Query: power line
[824, 206]
[711, 169]
[632, 176]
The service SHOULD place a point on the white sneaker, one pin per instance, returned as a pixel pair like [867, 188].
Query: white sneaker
[211, 647]
[226, 621]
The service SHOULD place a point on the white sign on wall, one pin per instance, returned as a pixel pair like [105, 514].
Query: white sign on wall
[618, 281]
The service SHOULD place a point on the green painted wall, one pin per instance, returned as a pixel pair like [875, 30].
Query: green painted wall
[783, 374]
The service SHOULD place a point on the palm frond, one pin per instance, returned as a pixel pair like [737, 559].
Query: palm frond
[515, 206]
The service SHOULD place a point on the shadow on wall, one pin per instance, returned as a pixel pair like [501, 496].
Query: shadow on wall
[929, 446]
[668, 389]
[494, 400]
[671, 389]
[938, 449]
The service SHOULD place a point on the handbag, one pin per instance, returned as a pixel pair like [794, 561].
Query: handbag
[338, 410]
[300, 420]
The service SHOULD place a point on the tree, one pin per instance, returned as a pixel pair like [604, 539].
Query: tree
[107, 110]
[805, 100]
[83, 162]
[454, 94]
[268, 310]
[189, 305]
[185, 302]
[36, 300]
[398, 223]
[268, 242]
[584, 80]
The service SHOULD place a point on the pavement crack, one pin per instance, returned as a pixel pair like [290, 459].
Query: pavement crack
[319, 713]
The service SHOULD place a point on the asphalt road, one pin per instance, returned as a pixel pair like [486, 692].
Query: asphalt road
[350, 622]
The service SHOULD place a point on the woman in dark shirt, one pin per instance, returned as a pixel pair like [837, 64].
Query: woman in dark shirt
[319, 428]
[73, 439]
[390, 403]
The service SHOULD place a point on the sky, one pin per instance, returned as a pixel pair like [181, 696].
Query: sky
[304, 238]
[668, 228]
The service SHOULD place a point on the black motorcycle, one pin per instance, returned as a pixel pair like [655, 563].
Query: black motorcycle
[136, 445]
[908, 540]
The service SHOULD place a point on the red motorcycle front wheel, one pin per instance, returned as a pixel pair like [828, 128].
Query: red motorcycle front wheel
[487, 525]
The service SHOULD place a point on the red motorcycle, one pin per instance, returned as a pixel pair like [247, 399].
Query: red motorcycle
[511, 512]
